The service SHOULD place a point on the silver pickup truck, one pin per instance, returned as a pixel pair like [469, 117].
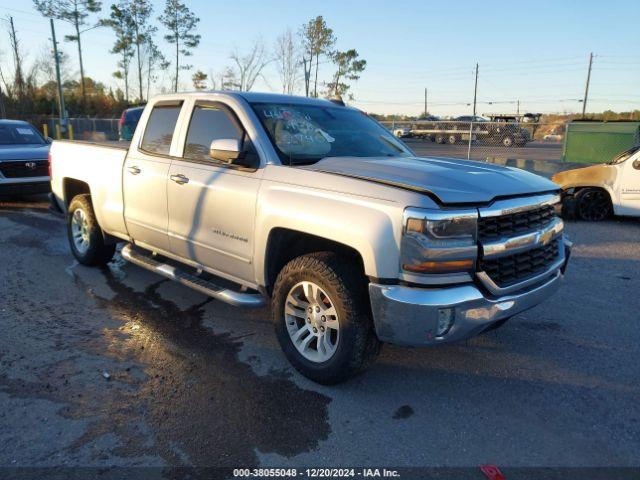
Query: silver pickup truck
[314, 206]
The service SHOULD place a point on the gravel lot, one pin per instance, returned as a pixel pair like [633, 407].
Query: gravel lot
[118, 367]
[479, 151]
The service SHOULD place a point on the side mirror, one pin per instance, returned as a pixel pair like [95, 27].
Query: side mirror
[226, 150]
[49, 140]
[636, 164]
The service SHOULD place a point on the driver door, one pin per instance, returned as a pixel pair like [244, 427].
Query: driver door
[212, 205]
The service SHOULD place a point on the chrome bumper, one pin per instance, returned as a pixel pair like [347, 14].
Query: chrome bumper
[409, 316]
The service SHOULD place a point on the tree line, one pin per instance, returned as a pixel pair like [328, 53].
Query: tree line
[141, 59]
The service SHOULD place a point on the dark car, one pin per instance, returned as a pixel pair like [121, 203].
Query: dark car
[128, 122]
[512, 129]
[24, 165]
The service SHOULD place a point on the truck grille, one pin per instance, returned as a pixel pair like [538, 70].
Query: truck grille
[505, 271]
[491, 228]
[25, 168]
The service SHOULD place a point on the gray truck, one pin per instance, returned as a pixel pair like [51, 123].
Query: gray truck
[318, 210]
[24, 167]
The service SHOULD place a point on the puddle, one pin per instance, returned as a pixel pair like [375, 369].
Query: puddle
[201, 402]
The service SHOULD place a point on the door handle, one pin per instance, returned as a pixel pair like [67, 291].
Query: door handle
[134, 170]
[179, 179]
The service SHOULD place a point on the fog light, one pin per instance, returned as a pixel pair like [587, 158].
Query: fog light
[445, 320]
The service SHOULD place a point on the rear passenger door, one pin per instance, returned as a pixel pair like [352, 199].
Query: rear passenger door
[145, 176]
[212, 205]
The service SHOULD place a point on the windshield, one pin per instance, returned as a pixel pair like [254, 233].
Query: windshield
[20, 134]
[308, 133]
[621, 157]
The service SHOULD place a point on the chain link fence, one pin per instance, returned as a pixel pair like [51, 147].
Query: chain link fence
[511, 137]
[82, 128]
[502, 137]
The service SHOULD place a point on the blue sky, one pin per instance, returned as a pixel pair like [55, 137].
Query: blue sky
[535, 52]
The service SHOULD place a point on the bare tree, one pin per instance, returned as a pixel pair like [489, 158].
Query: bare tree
[288, 61]
[181, 24]
[46, 69]
[18, 75]
[228, 80]
[155, 59]
[248, 67]
[75, 12]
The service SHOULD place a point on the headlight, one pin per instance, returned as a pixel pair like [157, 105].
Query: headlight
[439, 241]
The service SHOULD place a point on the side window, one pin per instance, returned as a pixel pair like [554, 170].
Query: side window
[159, 130]
[209, 123]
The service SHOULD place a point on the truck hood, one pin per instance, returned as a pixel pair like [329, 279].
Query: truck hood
[23, 152]
[451, 181]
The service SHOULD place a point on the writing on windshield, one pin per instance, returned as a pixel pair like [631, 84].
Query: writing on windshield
[308, 133]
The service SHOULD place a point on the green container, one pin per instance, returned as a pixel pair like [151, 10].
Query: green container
[598, 142]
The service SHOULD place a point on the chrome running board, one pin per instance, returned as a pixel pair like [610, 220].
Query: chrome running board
[232, 297]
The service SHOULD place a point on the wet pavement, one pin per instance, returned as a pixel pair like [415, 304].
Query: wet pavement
[116, 366]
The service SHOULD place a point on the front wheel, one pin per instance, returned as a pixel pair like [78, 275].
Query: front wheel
[593, 204]
[321, 318]
[85, 235]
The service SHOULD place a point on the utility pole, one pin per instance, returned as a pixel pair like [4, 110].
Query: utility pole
[425, 103]
[475, 92]
[586, 88]
[518, 109]
[61, 107]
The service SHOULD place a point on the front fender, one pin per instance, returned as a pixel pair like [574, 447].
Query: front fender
[370, 226]
[602, 176]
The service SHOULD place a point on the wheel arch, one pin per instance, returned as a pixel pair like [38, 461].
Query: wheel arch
[72, 188]
[285, 244]
[575, 188]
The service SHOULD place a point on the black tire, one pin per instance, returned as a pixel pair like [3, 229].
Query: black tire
[593, 204]
[97, 252]
[358, 345]
[568, 210]
[452, 139]
[439, 138]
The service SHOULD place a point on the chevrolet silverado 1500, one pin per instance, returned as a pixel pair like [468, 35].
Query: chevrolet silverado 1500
[314, 206]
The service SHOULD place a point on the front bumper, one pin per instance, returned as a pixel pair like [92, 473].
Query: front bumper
[405, 315]
[26, 186]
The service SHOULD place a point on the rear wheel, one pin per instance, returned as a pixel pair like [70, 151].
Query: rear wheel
[593, 204]
[452, 139]
[507, 141]
[321, 318]
[85, 235]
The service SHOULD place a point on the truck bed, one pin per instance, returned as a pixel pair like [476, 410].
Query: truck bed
[118, 144]
[98, 166]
